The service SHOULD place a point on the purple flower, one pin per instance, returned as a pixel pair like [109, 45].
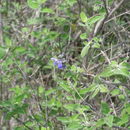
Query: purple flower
[58, 63]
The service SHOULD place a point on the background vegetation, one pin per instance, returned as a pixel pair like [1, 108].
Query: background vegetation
[64, 64]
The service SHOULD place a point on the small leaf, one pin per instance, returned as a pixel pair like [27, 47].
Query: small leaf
[83, 36]
[2, 52]
[84, 90]
[100, 122]
[20, 50]
[71, 2]
[96, 91]
[103, 88]
[85, 50]
[47, 10]
[83, 17]
[64, 119]
[121, 97]
[33, 4]
[94, 19]
[45, 128]
[65, 86]
[8, 41]
[96, 45]
[50, 91]
[124, 119]
[109, 120]
[115, 92]
[41, 1]
[32, 21]
[72, 107]
[116, 69]
[105, 108]
[41, 89]
[74, 126]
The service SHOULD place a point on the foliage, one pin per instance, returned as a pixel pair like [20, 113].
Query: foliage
[64, 64]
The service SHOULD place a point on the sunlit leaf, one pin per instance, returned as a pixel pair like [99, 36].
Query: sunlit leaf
[85, 50]
[83, 36]
[64, 119]
[105, 108]
[109, 120]
[33, 4]
[94, 19]
[124, 119]
[115, 92]
[47, 10]
[83, 17]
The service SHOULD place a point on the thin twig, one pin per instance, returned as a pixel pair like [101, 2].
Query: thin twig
[97, 65]
[127, 12]
[105, 55]
[105, 6]
[100, 24]
[116, 7]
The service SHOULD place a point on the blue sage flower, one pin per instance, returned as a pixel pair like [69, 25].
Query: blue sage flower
[59, 63]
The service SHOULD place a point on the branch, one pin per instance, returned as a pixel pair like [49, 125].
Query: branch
[100, 24]
[105, 6]
[23, 123]
[116, 7]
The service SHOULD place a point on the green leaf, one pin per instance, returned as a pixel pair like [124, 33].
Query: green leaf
[85, 50]
[72, 107]
[75, 117]
[105, 108]
[19, 98]
[41, 1]
[50, 91]
[99, 123]
[19, 128]
[3, 52]
[84, 90]
[115, 92]
[94, 19]
[8, 41]
[83, 108]
[24, 29]
[83, 17]
[71, 2]
[109, 120]
[45, 128]
[83, 36]
[74, 126]
[128, 108]
[65, 86]
[47, 10]
[41, 89]
[64, 119]
[103, 88]
[33, 4]
[5, 103]
[33, 21]
[20, 49]
[96, 91]
[121, 97]
[51, 103]
[116, 69]
[124, 119]
[16, 89]
[58, 103]
[107, 73]
[96, 45]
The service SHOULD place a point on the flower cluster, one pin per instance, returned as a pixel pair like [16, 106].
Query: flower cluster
[59, 63]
